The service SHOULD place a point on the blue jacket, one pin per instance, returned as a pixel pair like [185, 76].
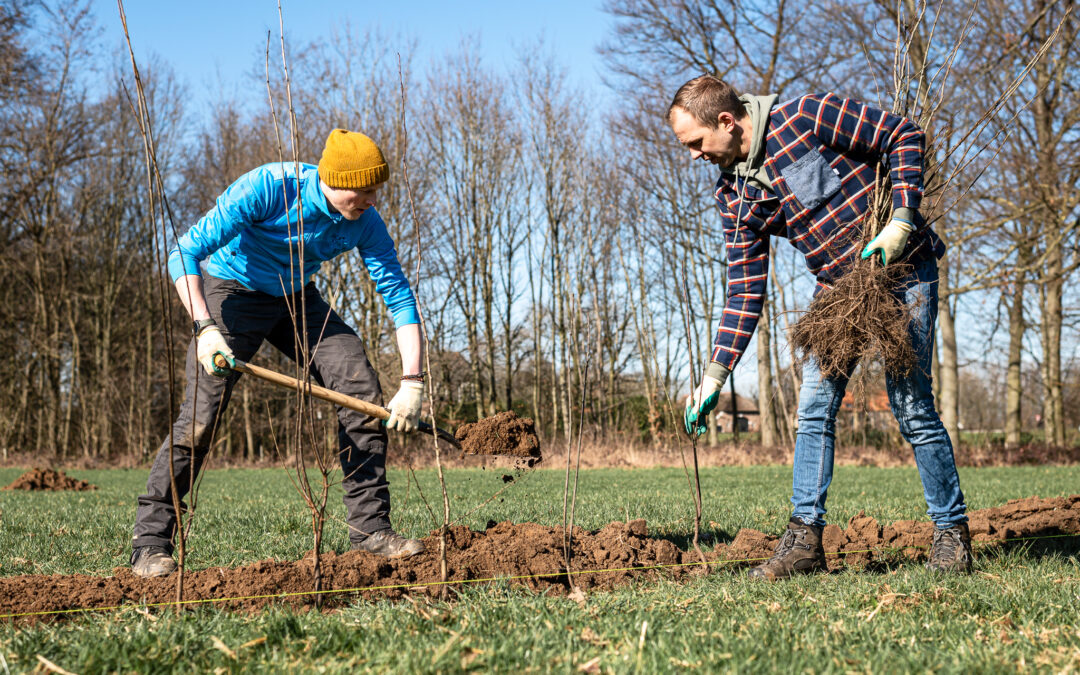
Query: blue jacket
[252, 231]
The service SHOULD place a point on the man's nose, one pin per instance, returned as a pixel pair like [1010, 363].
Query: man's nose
[696, 154]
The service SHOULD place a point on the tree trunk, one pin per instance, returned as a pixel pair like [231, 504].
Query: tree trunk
[766, 409]
[249, 431]
[949, 402]
[1013, 382]
[1053, 399]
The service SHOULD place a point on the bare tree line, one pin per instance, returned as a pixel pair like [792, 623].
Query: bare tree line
[560, 225]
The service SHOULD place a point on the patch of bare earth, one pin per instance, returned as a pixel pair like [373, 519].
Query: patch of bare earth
[48, 480]
[525, 554]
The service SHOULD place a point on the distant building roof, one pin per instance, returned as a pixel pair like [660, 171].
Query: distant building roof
[744, 405]
[870, 401]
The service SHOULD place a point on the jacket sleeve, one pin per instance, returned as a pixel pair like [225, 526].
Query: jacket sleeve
[848, 126]
[748, 272]
[380, 258]
[246, 201]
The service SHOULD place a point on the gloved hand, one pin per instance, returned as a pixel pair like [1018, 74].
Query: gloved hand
[405, 406]
[209, 343]
[704, 399]
[891, 241]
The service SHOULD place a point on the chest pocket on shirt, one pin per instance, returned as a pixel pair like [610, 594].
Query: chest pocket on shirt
[811, 179]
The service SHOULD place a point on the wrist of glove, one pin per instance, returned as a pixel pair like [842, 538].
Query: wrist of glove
[890, 242]
[405, 406]
[210, 343]
[704, 399]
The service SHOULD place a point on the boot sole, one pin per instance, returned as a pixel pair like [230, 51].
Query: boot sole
[152, 575]
[391, 556]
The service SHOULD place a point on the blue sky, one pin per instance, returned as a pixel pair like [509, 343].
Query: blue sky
[212, 45]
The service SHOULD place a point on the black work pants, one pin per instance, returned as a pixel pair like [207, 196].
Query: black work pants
[338, 362]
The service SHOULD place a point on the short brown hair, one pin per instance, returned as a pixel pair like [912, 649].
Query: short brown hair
[705, 97]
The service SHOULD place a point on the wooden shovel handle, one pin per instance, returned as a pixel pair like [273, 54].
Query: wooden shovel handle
[315, 390]
[325, 394]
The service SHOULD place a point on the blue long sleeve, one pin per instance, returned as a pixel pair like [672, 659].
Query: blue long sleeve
[253, 235]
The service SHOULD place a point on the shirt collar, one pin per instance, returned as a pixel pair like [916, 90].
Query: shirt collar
[314, 195]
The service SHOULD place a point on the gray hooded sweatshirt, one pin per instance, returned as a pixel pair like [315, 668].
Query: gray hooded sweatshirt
[752, 168]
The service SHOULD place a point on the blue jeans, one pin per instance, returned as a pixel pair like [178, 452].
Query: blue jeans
[912, 401]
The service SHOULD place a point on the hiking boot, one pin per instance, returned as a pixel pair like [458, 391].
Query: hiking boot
[799, 551]
[389, 544]
[152, 561]
[951, 551]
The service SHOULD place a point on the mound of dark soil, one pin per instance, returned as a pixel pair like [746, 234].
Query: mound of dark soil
[48, 480]
[501, 434]
[525, 554]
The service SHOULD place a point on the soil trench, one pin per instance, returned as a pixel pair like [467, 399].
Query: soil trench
[48, 480]
[507, 550]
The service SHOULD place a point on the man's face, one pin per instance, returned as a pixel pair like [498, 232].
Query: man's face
[348, 202]
[719, 146]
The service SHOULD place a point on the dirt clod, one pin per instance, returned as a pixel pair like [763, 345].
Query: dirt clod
[48, 480]
[502, 434]
[525, 554]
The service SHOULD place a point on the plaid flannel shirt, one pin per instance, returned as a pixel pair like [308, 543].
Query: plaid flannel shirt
[822, 154]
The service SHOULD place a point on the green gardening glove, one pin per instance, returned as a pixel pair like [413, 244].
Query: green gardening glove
[704, 399]
[891, 241]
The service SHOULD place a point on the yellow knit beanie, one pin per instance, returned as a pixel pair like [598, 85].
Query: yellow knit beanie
[352, 160]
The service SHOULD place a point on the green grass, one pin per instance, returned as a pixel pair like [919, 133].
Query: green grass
[1019, 608]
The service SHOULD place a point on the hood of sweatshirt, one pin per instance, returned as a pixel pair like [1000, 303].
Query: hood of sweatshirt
[752, 169]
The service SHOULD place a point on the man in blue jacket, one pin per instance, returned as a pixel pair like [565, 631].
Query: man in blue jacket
[259, 263]
[805, 170]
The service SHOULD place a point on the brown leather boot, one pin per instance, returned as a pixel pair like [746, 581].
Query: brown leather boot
[951, 550]
[799, 551]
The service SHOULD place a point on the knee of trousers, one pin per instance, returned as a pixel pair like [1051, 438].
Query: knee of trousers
[372, 453]
[363, 429]
[921, 423]
[816, 421]
[196, 437]
[820, 407]
[925, 434]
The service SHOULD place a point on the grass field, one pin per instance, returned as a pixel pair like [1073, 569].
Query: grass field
[1020, 610]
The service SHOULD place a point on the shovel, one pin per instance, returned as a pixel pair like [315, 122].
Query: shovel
[334, 397]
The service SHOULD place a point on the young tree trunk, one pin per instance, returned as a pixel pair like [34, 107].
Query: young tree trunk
[766, 409]
[1013, 382]
[537, 323]
[949, 402]
[1053, 399]
[249, 431]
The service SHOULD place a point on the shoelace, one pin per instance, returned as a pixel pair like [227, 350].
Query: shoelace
[944, 545]
[784, 546]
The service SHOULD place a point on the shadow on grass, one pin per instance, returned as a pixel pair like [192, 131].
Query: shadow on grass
[1053, 543]
[708, 539]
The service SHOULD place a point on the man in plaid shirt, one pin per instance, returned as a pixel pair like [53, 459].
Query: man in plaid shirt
[805, 170]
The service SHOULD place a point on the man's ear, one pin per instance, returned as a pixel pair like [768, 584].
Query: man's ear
[725, 121]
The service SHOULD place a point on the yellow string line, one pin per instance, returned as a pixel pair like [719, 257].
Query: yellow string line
[518, 577]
